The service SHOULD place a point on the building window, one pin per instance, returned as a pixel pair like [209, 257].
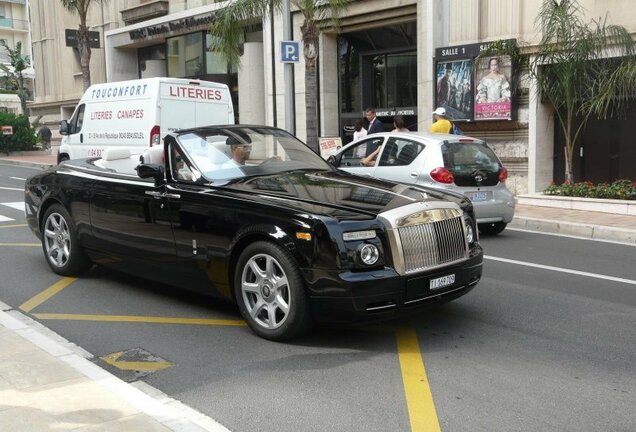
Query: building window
[156, 52]
[215, 63]
[350, 93]
[378, 67]
[185, 56]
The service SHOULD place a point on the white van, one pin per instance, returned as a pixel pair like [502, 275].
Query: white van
[138, 114]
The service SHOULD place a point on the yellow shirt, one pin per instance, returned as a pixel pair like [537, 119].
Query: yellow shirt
[441, 126]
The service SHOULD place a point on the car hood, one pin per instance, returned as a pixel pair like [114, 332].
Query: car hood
[337, 194]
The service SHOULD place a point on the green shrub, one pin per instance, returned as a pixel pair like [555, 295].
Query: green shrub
[620, 189]
[23, 138]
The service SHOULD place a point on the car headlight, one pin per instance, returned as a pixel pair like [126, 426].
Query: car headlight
[470, 234]
[369, 254]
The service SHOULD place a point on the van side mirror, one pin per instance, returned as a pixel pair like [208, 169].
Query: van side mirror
[151, 171]
[63, 129]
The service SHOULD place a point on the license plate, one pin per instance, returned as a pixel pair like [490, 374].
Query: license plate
[442, 282]
[478, 196]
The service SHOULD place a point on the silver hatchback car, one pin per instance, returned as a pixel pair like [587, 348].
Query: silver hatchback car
[450, 162]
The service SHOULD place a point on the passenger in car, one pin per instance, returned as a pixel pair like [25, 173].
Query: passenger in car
[240, 150]
[370, 160]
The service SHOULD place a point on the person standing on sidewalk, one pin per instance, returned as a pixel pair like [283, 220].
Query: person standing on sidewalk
[45, 135]
[375, 125]
[442, 124]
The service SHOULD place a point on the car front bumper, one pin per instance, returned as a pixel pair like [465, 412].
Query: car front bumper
[384, 294]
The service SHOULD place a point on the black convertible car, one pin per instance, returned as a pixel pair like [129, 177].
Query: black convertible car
[250, 214]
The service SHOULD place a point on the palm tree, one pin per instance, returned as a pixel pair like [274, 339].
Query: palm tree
[14, 78]
[228, 30]
[81, 7]
[581, 68]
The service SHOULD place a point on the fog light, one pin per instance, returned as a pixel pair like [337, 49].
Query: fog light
[369, 254]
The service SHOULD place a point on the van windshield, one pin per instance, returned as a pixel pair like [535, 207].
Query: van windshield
[233, 152]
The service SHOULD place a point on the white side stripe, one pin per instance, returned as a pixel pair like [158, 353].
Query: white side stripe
[562, 270]
[5, 219]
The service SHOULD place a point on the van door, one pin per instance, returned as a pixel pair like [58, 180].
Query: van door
[177, 109]
[75, 137]
[215, 108]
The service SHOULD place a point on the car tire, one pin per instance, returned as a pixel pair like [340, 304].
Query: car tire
[270, 292]
[493, 228]
[62, 158]
[60, 244]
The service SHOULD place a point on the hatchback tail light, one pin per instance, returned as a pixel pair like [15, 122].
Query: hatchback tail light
[503, 174]
[155, 135]
[442, 175]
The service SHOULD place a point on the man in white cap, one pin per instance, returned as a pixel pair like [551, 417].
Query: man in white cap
[442, 124]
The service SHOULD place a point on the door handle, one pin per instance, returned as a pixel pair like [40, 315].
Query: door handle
[81, 137]
[159, 195]
[413, 174]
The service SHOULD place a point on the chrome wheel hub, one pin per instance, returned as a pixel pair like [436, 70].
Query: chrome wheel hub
[265, 291]
[57, 240]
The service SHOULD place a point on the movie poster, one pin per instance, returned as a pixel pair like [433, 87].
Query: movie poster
[492, 89]
[454, 88]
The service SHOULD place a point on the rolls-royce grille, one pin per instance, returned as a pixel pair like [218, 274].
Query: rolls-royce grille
[432, 244]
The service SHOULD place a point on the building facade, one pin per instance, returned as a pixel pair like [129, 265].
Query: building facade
[389, 54]
[14, 28]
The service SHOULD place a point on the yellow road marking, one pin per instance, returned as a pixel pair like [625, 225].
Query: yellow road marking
[419, 399]
[140, 319]
[113, 360]
[36, 301]
[13, 226]
[21, 244]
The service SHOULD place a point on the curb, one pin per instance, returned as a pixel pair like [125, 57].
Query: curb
[596, 232]
[26, 164]
[150, 401]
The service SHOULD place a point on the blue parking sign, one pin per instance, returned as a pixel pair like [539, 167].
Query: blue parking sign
[289, 52]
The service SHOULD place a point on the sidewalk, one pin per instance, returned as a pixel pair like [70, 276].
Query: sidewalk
[48, 384]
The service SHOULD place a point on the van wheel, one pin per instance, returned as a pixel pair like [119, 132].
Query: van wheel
[493, 228]
[60, 245]
[270, 292]
[63, 157]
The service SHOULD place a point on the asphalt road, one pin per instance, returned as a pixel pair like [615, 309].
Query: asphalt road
[545, 342]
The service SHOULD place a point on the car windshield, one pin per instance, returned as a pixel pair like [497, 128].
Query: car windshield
[461, 157]
[233, 152]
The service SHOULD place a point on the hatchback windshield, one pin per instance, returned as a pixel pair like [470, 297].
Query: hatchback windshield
[228, 153]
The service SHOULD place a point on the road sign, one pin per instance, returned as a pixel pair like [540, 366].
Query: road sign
[71, 38]
[289, 52]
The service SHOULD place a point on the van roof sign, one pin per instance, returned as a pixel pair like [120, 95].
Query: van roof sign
[119, 91]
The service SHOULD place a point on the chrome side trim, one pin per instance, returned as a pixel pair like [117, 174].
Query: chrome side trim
[377, 308]
[436, 295]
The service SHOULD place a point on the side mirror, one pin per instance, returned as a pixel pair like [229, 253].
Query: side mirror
[154, 171]
[63, 129]
[331, 160]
